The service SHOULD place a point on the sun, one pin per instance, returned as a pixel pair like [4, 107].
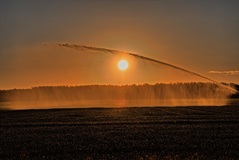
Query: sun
[123, 65]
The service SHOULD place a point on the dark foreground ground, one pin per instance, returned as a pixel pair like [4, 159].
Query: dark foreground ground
[126, 133]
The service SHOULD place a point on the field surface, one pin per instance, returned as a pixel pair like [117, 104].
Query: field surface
[121, 133]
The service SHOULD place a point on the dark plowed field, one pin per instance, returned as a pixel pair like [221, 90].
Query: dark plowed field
[123, 133]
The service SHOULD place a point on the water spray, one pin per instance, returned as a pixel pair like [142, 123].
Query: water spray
[114, 51]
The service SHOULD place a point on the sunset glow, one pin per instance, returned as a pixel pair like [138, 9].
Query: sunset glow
[105, 79]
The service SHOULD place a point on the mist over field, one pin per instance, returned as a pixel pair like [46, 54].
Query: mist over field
[177, 94]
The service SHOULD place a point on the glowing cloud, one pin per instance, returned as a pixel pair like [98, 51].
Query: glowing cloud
[225, 72]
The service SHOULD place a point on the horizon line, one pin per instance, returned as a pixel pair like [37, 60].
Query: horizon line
[94, 84]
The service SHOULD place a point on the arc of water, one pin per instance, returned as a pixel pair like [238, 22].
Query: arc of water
[113, 51]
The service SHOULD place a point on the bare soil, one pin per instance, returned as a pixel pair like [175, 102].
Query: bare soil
[121, 133]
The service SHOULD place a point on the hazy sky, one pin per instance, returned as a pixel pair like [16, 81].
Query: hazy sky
[202, 36]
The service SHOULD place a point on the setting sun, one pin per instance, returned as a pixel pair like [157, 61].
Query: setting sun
[123, 65]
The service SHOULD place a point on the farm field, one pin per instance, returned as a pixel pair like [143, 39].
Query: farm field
[121, 133]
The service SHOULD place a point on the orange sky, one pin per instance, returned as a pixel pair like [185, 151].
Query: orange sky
[198, 36]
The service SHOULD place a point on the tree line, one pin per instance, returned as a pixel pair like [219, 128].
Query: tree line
[193, 90]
